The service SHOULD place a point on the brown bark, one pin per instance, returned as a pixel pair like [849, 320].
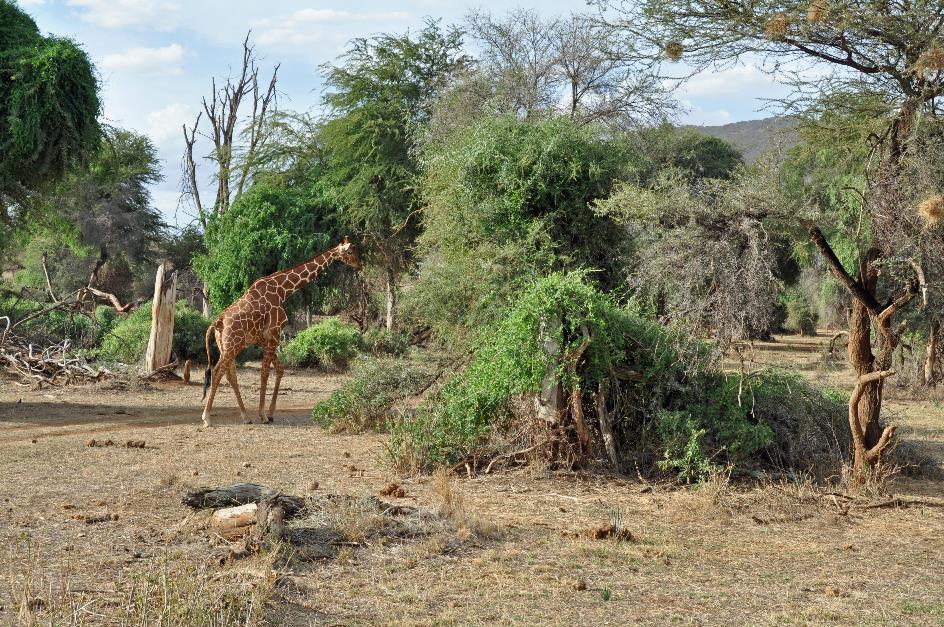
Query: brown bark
[606, 429]
[866, 455]
[930, 360]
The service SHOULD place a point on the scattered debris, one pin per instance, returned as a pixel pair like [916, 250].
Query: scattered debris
[134, 444]
[99, 443]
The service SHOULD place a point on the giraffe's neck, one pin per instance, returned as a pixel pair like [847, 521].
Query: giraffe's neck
[295, 278]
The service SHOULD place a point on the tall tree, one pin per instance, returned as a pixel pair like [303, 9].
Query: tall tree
[574, 65]
[379, 96]
[49, 107]
[237, 139]
[884, 60]
[102, 213]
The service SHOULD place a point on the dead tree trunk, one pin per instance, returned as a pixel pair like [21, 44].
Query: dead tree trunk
[161, 341]
[930, 360]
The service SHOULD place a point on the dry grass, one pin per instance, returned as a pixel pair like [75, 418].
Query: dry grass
[500, 548]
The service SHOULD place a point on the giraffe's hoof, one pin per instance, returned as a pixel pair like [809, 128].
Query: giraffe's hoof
[269, 420]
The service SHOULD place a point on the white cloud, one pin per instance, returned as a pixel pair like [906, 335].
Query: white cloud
[164, 125]
[32, 3]
[157, 14]
[317, 25]
[702, 117]
[166, 60]
[736, 82]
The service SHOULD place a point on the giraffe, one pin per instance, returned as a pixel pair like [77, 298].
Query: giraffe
[258, 318]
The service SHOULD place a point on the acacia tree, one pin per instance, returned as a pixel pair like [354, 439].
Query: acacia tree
[380, 96]
[881, 59]
[97, 226]
[49, 107]
[574, 65]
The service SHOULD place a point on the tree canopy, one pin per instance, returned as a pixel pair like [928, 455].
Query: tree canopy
[49, 106]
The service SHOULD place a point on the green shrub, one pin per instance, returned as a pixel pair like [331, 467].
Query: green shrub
[381, 342]
[366, 400]
[330, 344]
[679, 414]
[50, 328]
[801, 315]
[127, 341]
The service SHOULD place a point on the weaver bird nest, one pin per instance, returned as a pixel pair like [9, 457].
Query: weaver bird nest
[930, 61]
[674, 50]
[777, 27]
[817, 12]
[932, 210]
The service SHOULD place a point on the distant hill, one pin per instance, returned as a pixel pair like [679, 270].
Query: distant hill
[753, 137]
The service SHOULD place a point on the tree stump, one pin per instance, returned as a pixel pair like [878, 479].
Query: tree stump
[234, 522]
[160, 343]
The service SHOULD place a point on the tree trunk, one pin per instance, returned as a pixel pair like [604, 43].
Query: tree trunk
[161, 341]
[391, 298]
[931, 358]
[549, 402]
[205, 306]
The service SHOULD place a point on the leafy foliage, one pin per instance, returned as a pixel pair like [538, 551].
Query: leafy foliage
[330, 344]
[381, 342]
[682, 413]
[379, 96]
[367, 399]
[127, 341]
[48, 104]
[270, 227]
[507, 201]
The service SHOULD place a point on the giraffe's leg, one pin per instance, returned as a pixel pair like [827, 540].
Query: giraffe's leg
[275, 390]
[222, 365]
[263, 380]
[231, 377]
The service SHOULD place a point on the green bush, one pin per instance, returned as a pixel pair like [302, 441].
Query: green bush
[366, 400]
[330, 344]
[381, 342]
[680, 414]
[127, 341]
[801, 315]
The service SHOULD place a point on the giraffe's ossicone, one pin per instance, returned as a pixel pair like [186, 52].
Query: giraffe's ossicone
[258, 317]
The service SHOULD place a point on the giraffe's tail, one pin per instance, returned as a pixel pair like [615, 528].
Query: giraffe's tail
[208, 374]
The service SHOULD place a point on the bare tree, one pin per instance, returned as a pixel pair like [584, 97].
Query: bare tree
[237, 139]
[576, 64]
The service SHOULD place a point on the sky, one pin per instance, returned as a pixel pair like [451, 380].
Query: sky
[156, 58]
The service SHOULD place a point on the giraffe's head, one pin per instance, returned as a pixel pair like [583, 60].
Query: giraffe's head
[349, 254]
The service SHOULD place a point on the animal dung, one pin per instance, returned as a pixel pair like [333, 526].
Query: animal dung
[393, 490]
[932, 210]
[135, 444]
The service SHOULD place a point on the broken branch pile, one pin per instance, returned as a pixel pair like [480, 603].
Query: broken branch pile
[52, 365]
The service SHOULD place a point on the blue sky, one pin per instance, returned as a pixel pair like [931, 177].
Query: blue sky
[156, 58]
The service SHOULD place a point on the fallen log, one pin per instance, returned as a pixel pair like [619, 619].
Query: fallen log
[242, 494]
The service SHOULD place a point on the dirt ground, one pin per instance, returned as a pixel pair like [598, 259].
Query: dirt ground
[97, 535]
